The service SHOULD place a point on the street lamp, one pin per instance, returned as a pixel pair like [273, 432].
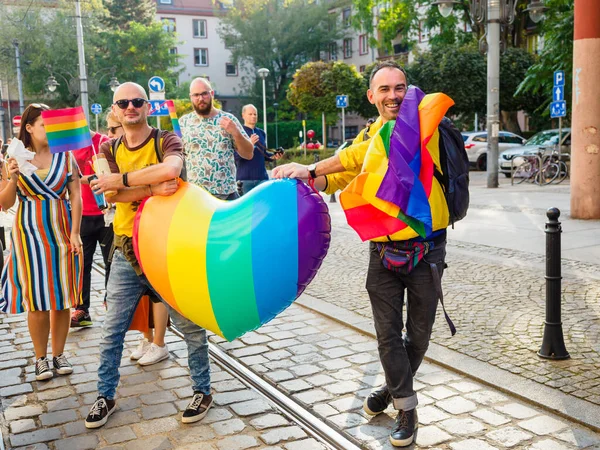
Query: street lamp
[264, 73]
[276, 105]
[494, 15]
[73, 84]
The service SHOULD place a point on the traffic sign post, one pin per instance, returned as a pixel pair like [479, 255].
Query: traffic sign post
[159, 108]
[156, 85]
[96, 109]
[341, 101]
[558, 107]
[16, 121]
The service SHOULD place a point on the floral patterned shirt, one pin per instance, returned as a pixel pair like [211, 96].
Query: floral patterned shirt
[210, 152]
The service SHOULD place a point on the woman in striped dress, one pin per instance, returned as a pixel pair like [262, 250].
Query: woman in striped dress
[43, 272]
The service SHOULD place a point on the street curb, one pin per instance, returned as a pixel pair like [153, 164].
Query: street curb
[539, 395]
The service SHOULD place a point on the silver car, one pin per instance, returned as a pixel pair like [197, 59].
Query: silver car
[544, 141]
[476, 145]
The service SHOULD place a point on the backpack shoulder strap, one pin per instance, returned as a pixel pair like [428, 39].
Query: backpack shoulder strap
[115, 146]
[157, 145]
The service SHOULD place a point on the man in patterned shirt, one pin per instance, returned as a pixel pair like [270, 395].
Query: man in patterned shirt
[210, 138]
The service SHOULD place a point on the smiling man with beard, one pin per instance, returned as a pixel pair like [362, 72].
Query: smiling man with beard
[210, 138]
[400, 355]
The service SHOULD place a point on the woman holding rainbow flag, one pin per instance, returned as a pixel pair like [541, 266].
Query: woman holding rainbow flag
[42, 274]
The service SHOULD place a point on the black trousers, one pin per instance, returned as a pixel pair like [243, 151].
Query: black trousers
[93, 231]
[401, 355]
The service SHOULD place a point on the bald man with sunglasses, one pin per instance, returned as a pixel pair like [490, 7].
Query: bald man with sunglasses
[137, 174]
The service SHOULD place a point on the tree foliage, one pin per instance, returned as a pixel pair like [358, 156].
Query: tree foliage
[557, 54]
[121, 13]
[280, 36]
[48, 45]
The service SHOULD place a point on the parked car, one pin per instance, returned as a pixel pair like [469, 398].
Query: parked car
[545, 141]
[476, 145]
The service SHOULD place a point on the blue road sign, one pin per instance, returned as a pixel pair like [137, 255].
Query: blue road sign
[558, 93]
[558, 109]
[559, 78]
[159, 108]
[156, 84]
[96, 108]
[341, 101]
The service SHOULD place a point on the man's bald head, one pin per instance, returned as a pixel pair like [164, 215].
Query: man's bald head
[200, 82]
[133, 90]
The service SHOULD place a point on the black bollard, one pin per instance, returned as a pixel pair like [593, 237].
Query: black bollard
[553, 343]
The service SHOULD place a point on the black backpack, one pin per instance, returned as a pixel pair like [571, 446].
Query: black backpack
[455, 166]
[157, 149]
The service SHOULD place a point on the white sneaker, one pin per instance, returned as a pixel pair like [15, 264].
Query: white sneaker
[154, 355]
[141, 349]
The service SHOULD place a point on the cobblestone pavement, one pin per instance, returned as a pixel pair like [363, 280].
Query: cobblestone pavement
[324, 365]
[496, 298]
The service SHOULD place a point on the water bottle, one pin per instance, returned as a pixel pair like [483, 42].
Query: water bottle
[100, 199]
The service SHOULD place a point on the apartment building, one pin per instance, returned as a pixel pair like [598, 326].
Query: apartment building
[202, 51]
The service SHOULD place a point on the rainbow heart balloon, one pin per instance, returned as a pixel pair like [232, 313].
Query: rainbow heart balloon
[231, 267]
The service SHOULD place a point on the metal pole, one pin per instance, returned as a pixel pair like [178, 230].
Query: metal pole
[2, 114]
[343, 126]
[96, 122]
[553, 344]
[559, 136]
[493, 91]
[324, 131]
[265, 112]
[19, 77]
[158, 122]
[83, 87]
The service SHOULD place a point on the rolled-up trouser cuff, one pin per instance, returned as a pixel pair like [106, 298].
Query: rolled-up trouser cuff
[406, 403]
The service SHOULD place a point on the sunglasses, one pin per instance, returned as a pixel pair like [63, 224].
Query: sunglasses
[136, 102]
[113, 130]
[27, 112]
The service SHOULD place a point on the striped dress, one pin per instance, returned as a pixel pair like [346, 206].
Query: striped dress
[41, 273]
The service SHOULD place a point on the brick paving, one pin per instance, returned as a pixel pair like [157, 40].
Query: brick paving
[497, 305]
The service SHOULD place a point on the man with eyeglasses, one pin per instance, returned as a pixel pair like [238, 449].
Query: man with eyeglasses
[211, 138]
[139, 170]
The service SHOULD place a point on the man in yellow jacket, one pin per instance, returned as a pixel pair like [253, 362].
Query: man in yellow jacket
[400, 355]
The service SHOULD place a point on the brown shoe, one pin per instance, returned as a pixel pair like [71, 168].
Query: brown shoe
[197, 408]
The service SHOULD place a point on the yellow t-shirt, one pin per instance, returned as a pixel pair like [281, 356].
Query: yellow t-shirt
[132, 159]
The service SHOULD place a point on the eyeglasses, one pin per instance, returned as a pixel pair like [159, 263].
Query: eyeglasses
[201, 94]
[113, 130]
[136, 102]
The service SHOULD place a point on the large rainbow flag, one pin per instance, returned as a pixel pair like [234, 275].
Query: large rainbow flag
[67, 129]
[394, 187]
[173, 116]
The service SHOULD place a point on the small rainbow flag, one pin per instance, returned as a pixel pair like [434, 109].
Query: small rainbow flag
[67, 129]
[173, 116]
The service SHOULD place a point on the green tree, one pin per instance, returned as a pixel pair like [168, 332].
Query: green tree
[121, 13]
[557, 54]
[280, 36]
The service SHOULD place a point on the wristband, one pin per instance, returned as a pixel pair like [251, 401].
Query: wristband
[125, 183]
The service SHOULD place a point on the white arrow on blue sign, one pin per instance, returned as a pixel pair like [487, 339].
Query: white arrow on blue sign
[559, 78]
[156, 84]
[341, 101]
[558, 93]
[558, 109]
[159, 108]
[96, 108]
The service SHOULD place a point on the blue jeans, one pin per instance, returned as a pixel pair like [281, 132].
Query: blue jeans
[125, 288]
[248, 185]
[401, 355]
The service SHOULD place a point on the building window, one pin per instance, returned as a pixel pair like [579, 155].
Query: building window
[347, 48]
[173, 51]
[166, 2]
[423, 32]
[333, 51]
[231, 70]
[351, 132]
[346, 17]
[199, 28]
[168, 24]
[201, 57]
[362, 69]
[363, 44]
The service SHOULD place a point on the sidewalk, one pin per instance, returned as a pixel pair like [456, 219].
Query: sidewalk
[495, 293]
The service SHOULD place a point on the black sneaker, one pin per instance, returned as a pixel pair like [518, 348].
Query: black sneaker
[403, 432]
[61, 365]
[197, 408]
[42, 369]
[377, 401]
[100, 412]
[80, 318]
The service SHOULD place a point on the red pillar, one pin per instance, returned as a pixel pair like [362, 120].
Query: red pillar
[585, 127]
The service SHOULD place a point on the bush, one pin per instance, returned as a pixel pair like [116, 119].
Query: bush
[295, 155]
[288, 131]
